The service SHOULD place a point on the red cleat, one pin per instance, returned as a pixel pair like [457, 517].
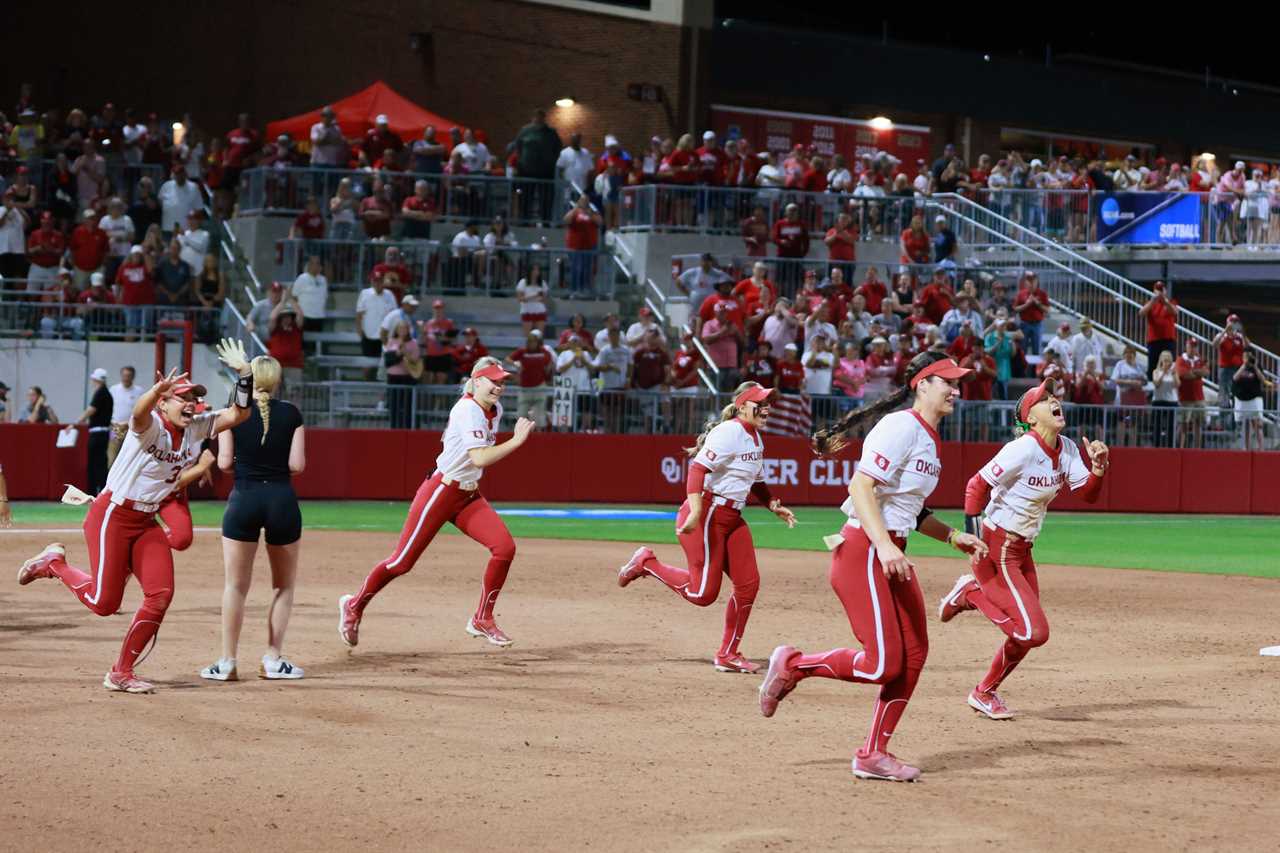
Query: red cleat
[127, 682]
[37, 568]
[779, 680]
[634, 567]
[989, 704]
[882, 765]
[955, 602]
[489, 630]
[736, 662]
[348, 621]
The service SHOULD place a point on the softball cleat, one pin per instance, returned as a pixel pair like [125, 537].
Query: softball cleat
[883, 765]
[634, 568]
[779, 680]
[989, 704]
[955, 602]
[127, 682]
[37, 568]
[348, 622]
[736, 662]
[489, 630]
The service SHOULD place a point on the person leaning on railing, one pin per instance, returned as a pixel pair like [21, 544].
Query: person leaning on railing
[1249, 383]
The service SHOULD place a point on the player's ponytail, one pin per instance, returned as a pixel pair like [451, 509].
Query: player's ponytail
[728, 413]
[1021, 427]
[266, 378]
[481, 364]
[831, 439]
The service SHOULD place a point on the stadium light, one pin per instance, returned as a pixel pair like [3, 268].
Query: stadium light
[565, 102]
[881, 123]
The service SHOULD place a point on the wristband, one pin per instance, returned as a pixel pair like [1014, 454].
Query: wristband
[973, 525]
[244, 391]
[951, 537]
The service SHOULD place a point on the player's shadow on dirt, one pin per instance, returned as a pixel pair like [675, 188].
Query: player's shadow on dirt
[985, 757]
[1086, 713]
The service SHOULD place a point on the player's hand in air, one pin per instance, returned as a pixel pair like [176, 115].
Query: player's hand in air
[894, 563]
[165, 382]
[776, 507]
[524, 426]
[231, 353]
[1099, 454]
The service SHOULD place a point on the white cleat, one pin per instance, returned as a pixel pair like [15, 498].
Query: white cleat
[1270, 652]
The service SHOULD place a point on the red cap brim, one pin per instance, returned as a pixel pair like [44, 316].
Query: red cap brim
[185, 387]
[494, 373]
[754, 394]
[1037, 394]
[946, 368]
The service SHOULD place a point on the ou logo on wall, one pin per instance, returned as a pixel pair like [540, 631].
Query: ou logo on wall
[672, 470]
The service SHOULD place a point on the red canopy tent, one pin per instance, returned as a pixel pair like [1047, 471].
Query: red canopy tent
[356, 113]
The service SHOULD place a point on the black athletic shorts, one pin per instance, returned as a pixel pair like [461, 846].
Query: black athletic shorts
[257, 505]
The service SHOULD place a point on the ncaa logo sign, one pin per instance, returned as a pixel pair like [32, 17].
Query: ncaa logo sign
[1110, 211]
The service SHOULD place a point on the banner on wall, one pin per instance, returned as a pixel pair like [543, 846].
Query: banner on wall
[1147, 217]
[777, 131]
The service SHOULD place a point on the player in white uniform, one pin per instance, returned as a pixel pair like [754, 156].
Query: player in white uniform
[727, 467]
[120, 529]
[1016, 487]
[871, 576]
[452, 494]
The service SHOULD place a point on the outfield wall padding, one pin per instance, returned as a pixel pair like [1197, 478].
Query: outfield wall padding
[559, 467]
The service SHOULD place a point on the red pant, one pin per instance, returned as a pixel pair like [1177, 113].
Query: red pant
[720, 545]
[888, 618]
[123, 542]
[433, 505]
[1009, 595]
[175, 512]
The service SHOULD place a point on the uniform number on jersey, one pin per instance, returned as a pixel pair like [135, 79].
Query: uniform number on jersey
[881, 462]
[996, 470]
[177, 472]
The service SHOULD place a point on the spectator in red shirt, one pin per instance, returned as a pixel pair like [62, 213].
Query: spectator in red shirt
[790, 234]
[1031, 304]
[581, 237]
[242, 144]
[379, 139]
[438, 335]
[535, 362]
[1192, 370]
[814, 177]
[467, 353]
[137, 292]
[418, 212]
[1161, 315]
[755, 233]
[375, 211]
[916, 246]
[808, 299]
[45, 248]
[842, 240]
[981, 381]
[964, 344]
[284, 340]
[839, 295]
[756, 293]
[790, 371]
[1231, 343]
[760, 366]
[733, 306]
[392, 262]
[936, 297]
[873, 290]
[712, 160]
[577, 331]
[652, 363]
[309, 224]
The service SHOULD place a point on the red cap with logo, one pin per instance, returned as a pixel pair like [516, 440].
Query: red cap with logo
[492, 372]
[754, 394]
[187, 386]
[946, 368]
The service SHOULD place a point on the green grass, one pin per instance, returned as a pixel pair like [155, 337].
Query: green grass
[1214, 544]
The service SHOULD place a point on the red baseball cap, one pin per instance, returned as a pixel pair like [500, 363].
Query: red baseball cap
[1233, 318]
[1032, 397]
[186, 386]
[493, 372]
[754, 394]
[946, 368]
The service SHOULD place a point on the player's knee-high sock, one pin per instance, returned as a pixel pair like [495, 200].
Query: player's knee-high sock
[381, 575]
[675, 578]
[146, 622]
[736, 614]
[837, 663]
[74, 579]
[495, 575]
[1010, 655]
[890, 705]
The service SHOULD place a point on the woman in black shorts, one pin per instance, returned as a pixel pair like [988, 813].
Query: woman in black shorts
[265, 451]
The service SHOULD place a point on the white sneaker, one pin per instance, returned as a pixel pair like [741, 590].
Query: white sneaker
[224, 669]
[274, 668]
[1270, 652]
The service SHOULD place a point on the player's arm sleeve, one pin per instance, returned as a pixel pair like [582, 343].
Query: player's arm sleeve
[977, 492]
[760, 489]
[885, 451]
[695, 482]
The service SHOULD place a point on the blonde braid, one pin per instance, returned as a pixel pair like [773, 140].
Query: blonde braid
[266, 378]
[263, 399]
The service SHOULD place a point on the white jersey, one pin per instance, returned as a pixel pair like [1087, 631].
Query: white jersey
[123, 400]
[1025, 476]
[470, 426]
[734, 454]
[901, 454]
[148, 465]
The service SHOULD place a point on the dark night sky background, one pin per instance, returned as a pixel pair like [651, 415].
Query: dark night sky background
[1123, 35]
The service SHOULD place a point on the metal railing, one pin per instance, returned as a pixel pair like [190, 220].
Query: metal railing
[438, 268]
[26, 313]
[1081, 287]
[366, 405]
[722, 210]
[522, 201]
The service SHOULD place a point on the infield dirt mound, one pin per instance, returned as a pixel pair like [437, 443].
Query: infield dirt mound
[1147, 723]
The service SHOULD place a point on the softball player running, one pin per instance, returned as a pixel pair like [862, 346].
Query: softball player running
[871, 576]
[452, 494]
[727, 463]
[120, 529]
[1016, 487]
[264, 451]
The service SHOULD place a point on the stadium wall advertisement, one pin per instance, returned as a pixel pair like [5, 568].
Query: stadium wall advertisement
[560, 468]
[1147, 217]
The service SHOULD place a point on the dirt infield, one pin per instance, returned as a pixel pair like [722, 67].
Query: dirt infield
[1147, 723]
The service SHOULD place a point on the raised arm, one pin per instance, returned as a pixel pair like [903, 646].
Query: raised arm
[483, 457]
[231, 353]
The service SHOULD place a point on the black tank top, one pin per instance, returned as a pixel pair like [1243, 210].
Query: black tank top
[269, 460]
[208, 285]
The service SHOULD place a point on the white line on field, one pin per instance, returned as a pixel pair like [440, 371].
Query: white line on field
[80, 530]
